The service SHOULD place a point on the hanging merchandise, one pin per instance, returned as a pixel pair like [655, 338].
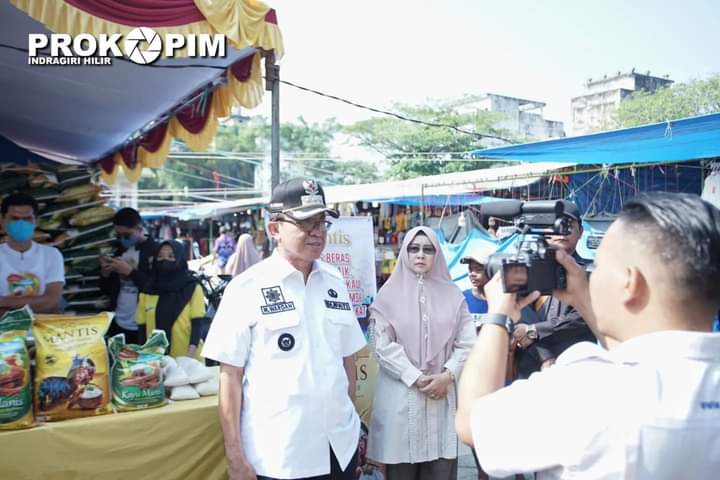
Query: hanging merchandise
[711, 189]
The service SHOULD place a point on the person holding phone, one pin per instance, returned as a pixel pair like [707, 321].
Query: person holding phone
[126, 274]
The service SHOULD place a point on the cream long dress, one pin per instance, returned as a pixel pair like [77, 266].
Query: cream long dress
[407, 426]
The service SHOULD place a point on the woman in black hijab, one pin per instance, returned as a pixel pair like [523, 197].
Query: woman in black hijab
[173, 302]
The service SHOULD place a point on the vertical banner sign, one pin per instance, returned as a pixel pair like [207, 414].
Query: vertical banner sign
[351, 249]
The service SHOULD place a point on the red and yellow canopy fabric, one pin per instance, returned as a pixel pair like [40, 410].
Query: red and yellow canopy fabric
[245, 23]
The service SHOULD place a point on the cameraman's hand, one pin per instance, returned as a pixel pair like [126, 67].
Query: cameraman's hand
[577, 292]
[506, 303]
[519, 336]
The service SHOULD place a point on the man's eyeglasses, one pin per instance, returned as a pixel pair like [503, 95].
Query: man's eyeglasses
[426, 249]
[308, 225]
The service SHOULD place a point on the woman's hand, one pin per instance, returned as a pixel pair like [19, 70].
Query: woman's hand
[422, 381]
[438, 387]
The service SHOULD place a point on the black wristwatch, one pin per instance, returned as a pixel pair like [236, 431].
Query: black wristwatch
[532, 332]
[496, 319]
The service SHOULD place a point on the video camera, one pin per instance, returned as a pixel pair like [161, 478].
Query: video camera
[532, 265]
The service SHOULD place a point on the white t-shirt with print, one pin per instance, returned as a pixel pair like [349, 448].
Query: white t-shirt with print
[27, 273]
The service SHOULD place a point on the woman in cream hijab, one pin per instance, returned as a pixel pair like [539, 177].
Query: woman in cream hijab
[422, 334]
[245, 256]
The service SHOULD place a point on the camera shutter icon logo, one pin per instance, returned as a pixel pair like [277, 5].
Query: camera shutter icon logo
[143, 45]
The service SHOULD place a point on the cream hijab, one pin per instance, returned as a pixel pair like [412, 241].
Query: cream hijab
[245, 256]
[398, 303]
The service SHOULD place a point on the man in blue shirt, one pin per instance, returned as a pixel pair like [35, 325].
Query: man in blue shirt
[475, 296]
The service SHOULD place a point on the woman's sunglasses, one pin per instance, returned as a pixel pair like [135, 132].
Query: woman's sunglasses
[427, 249]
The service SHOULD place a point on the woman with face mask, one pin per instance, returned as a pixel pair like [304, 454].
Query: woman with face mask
[422, 334]
[174, 302]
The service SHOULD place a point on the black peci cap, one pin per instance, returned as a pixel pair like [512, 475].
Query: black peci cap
[571, 210]
[299, 198]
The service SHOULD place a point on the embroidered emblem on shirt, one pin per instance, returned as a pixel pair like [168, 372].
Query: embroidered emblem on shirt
[286, 342]
[337, 305]
[332, 293]
[275, 301]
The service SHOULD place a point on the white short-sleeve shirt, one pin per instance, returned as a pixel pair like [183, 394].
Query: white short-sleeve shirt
[291, 338]
[647, 409]
[28, 273]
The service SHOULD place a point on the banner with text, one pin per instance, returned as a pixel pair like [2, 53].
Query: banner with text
[350, 247]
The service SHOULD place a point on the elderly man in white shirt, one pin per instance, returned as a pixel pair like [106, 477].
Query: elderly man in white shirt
[286, 334]
[648, 407]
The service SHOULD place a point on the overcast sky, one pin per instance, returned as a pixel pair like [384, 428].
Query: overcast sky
[380, 52]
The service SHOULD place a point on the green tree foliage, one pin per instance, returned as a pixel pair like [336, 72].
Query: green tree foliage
[679, 100]
[251, 136]
[304, 150]
[416, 150]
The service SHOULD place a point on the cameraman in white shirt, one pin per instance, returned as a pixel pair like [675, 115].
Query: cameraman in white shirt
[647, 408]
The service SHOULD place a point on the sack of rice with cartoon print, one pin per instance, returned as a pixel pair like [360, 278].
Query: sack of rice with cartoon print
[15, 388]
[72, 378]
[137, 375]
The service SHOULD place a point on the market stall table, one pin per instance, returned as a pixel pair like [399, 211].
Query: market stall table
[182, 440]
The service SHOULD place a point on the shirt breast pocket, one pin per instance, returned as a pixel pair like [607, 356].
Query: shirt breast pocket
[337, 324]
[283, 336]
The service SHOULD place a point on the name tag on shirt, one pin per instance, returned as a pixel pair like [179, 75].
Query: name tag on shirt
[275, 301]
[337, 305]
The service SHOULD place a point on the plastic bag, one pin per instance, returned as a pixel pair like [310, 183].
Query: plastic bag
[15, 394]
[196, 371]
[184, 392]
[137, 377]
[72, 378]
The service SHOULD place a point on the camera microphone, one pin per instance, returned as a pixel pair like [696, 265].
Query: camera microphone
[501, 209]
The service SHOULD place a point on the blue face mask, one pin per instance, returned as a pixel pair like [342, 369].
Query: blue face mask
[20, 230]
[128, 242]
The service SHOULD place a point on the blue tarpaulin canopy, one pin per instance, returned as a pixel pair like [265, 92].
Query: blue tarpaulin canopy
[674, 141]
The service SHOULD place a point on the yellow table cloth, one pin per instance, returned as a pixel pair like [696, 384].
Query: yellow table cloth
[182, 440]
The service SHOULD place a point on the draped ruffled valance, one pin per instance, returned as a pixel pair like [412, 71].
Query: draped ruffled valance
[245, 23]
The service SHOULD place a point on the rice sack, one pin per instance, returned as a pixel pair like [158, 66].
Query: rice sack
[72, 378]
[137, 375]
[15, 393]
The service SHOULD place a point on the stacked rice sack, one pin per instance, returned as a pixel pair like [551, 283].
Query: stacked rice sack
[188, 379]
[137, 378]
[73, 217]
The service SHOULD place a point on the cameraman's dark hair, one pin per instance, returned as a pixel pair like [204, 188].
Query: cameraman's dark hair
[19, 200]
[685, 231]
[127, 217]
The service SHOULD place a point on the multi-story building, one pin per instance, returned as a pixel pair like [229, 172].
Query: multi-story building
[594, 110]
[522, 118]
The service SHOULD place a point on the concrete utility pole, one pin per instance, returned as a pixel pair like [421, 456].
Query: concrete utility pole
[272, 84]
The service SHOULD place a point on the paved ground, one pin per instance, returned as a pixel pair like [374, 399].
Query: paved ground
[466, 464]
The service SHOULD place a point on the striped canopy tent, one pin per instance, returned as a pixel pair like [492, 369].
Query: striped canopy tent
[125, 115]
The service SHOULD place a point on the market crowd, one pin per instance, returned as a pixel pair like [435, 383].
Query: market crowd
[614, 376]
[148, 281]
